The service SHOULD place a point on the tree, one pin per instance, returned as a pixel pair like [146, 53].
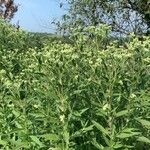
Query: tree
[7, 9]
[124, 16]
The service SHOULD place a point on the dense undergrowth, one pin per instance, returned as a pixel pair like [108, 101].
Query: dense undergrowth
[86, 96]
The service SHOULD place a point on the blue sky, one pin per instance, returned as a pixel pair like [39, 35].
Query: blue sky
[37, 15]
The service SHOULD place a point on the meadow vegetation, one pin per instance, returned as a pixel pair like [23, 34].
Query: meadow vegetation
[92, 94]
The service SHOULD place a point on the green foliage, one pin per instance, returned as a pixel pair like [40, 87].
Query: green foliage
[84, 96]
[10, 38]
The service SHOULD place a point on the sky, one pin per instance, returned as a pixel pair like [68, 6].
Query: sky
[37, 15]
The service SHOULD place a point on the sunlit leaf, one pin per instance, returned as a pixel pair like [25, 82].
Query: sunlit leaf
[145, 123]
[144, 139]
[122, 113]
[37, 141]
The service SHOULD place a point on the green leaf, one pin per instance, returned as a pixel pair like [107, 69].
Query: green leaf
[145, 123]
[100, 128]
[89, 128]
[82, 131]
[80, 112]
[127, 135]
[2, 142]
[50, 137]
[129, 130]
[83, 110]
[118, 145]
[107, 141]
[97, 145]
[20, 145]
[144, 139]
[36, 140]
[121, 113]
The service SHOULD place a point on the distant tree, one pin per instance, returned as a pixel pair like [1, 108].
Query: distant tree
[124, 16]
[7, 9]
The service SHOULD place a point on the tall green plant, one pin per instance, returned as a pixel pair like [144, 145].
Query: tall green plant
[81, 96]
